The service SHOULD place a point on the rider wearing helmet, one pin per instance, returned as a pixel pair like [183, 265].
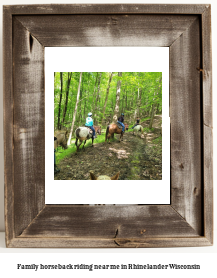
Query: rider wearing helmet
[120, 121]
[137, 122]
[89, 123]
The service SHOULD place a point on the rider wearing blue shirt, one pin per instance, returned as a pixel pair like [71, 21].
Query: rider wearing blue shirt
[121, 120]
[89, 123]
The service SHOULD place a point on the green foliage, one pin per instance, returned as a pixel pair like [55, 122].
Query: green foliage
[139, 91]
[145, 119]
[61, 154]
[146, 129]
[158, 140]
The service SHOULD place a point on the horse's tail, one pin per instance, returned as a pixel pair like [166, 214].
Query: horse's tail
[141, 129]
[77, 132]
[107, 131]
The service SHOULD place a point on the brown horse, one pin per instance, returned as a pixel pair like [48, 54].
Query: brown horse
[126, 125]
[61, 136]
[111, 129]
[97, 129]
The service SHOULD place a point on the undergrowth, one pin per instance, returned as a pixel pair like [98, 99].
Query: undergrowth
[61, 153]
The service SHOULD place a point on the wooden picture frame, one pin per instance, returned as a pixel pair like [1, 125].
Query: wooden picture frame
[186, 30]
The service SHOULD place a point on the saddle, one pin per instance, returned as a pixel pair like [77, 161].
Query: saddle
[90, 130]
[119, 125]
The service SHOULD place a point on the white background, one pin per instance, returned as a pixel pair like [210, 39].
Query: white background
[204, 255]
[130, 59]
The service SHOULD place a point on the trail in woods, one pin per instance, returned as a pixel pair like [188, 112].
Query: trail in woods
[136, 158]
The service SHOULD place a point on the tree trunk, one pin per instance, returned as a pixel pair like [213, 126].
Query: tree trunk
[61, 93]
[67, 96]
[80, 105]
[85, 105]
[153, 107]
[93, 105]
[137, 106]
[126, 101]
[138, 103]
[107, 94]
[152, 115]
[157, 109]
[75, 111]
[97, 99]
[118, 91]
[88, 94]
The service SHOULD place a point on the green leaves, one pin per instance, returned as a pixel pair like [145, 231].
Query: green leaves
[139, 90]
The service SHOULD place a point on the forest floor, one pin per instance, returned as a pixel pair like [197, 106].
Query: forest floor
[137, 157]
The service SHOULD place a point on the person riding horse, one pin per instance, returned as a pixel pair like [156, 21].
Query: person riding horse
[89, 123]
[120, 121]
[137, 122]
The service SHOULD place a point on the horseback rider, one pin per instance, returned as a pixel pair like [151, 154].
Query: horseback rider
[120, 121]
[89, 123]
[137, 122]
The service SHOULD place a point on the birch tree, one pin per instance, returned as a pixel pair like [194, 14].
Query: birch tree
[136, 113]
[75, 111]
[107, 94]
[118, 92]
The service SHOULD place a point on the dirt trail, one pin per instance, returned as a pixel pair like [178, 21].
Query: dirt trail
[136, 158]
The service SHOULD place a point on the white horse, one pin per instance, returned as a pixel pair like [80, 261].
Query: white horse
[84, 134]
[137, 129]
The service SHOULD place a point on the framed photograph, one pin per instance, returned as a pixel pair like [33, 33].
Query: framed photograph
[142, 96]
[71, 69]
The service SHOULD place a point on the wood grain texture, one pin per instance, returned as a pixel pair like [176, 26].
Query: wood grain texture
[106, 9]
[109, 222]
[207, 67]
[29, 131]
[208, 183]
[108, 243]
[186, 29]
[8, 126]
[107, 30]
[185, 113]
[207, 122]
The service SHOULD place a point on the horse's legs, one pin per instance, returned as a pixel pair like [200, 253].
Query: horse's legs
[121, 136]
[79, 144]
[92, 141]
[108, 137]
[76, 144]
[84, 144]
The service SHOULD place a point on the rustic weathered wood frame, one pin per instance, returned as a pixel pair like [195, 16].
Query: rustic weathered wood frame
[186, 29]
